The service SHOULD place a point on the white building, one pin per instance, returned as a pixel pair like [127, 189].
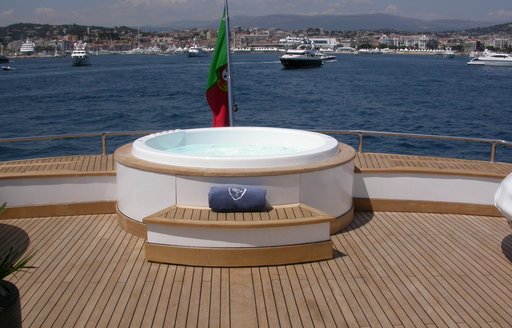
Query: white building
[325, 43]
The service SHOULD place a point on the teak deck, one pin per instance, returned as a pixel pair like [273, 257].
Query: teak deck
[365, 162]
[389, 270]
[59, 166]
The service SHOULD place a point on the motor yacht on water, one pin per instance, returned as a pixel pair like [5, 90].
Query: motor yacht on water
[492, 59]
[197, 51]
[79, 56]
[304, 56]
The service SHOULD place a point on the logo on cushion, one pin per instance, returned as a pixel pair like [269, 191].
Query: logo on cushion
[237, 192]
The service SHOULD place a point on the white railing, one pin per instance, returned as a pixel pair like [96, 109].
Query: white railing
[360, 134]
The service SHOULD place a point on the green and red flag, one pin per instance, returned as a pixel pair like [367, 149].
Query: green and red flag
[217, 86]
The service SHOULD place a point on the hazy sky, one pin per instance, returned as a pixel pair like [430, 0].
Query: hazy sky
[155, 12]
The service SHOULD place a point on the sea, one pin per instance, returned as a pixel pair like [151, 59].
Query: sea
[391, 93]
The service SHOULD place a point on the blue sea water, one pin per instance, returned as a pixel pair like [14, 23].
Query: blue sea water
[414, 94]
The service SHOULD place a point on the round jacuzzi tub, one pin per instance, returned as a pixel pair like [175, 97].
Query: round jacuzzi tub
[235, 147]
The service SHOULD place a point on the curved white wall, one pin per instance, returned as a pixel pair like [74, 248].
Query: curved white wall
[329, 190]
[57, 190]
[141, 193]
[426, 187]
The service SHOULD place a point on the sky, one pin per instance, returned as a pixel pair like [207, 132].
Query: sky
[159, 12]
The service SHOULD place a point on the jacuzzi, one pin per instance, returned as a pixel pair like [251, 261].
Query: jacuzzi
[179, 167]
[237, 147]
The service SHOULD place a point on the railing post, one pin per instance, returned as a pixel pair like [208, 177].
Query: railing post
[493, 152]
[103, 144]
[360, 146]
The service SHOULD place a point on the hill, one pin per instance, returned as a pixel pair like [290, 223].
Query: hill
[334, 22]
[495, 29]
[22, 31]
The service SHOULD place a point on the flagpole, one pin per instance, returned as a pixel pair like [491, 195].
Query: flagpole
[230, 89]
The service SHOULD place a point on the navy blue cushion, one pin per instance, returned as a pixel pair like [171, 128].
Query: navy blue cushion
[237, 199]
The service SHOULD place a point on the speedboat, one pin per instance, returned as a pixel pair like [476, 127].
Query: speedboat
[492, 59]
[79, 55]
[304, 56]
[327, 54]
[8, 68]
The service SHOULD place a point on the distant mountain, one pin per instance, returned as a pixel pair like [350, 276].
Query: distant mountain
[495, 29]
[370, 22]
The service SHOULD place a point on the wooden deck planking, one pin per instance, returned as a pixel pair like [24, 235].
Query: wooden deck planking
[439, 258]
[391, 269]
[104, 164]
[180, 214]
[423, 274]
[65, 165]
[374, 161]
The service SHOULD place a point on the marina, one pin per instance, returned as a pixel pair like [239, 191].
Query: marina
[409, 94]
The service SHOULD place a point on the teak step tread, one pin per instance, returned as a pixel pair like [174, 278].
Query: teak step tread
[284, 215]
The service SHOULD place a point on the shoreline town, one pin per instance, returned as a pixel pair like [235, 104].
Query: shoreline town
[35, 40]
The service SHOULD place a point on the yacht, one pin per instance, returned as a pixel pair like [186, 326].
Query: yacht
[27, 48]
[79, 54]
[304, 56]
[492, 59]
[196, 51]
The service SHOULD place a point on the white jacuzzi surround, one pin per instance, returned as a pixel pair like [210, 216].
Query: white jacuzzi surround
[142, 192]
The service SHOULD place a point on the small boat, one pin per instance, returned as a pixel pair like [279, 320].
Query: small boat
[304, 56]
[79, 55]
[326, 57]
[492, 59]
[8, 68]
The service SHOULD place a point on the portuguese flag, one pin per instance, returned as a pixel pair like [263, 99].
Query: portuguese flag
[217, 86]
